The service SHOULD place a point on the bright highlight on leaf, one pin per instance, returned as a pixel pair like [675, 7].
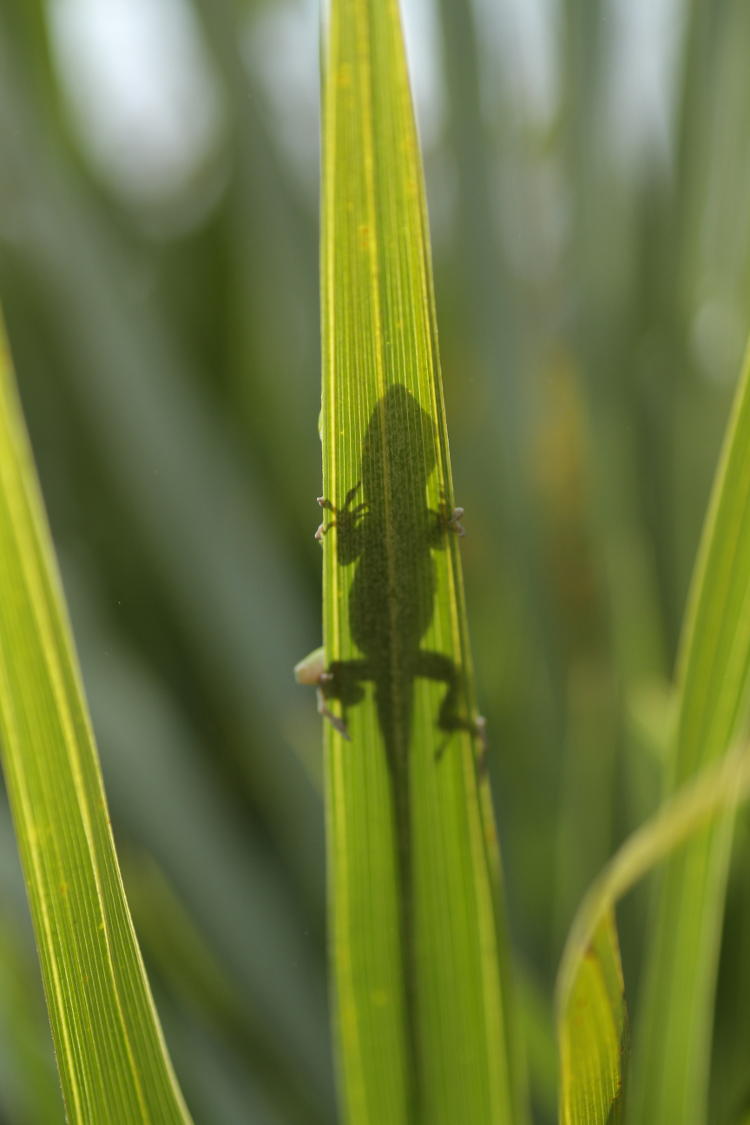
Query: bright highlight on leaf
[421, 1004]
[111, 1056]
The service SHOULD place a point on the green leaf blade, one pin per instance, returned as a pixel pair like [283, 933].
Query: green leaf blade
[111, 1056]
[416, 924]
[671, 1046]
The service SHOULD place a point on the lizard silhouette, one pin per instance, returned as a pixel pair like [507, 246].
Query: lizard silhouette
[387, 528]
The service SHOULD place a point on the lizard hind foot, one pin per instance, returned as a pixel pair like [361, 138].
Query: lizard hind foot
[454, 521]
[450, 516]
[477, 728]
[336, 721]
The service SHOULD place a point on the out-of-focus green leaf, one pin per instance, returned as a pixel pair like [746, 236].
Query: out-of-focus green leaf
[418, 953]
[110, 1051]
[198, 519]
[171, 941]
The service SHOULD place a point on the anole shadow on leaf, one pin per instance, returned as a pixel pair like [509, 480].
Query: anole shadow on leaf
[386, 527]
[390, 533]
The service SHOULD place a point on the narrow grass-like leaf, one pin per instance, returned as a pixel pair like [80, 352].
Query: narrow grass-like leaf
[673, 1030]
[590, 1005]
[421, 1007]
[111, 1056]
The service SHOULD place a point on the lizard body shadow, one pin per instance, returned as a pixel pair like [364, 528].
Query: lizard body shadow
[387, 528]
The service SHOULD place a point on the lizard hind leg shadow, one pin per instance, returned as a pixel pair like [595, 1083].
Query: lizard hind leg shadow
[342, 681]
[436, 666]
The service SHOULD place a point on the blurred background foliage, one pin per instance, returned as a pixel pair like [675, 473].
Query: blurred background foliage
[588, 172]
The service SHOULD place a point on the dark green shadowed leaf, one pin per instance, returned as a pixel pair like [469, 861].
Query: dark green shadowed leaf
[421, 1005]
[110, 1052]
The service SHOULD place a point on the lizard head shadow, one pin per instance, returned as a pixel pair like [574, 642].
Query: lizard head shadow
[386, 526]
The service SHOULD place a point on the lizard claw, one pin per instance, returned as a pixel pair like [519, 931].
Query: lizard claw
[323, 527]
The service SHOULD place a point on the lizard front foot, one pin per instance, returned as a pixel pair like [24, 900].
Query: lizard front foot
[346, 514]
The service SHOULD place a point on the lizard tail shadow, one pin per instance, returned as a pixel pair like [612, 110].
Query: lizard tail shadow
[391, 534]
[394, 720]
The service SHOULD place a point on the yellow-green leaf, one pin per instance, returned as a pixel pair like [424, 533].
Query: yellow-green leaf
[421, 1002]
[111, 1056]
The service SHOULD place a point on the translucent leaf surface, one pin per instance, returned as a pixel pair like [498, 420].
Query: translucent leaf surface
[421, 1006]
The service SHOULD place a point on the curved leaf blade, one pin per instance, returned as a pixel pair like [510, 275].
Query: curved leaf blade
[591, 1014]
[673, 1029]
